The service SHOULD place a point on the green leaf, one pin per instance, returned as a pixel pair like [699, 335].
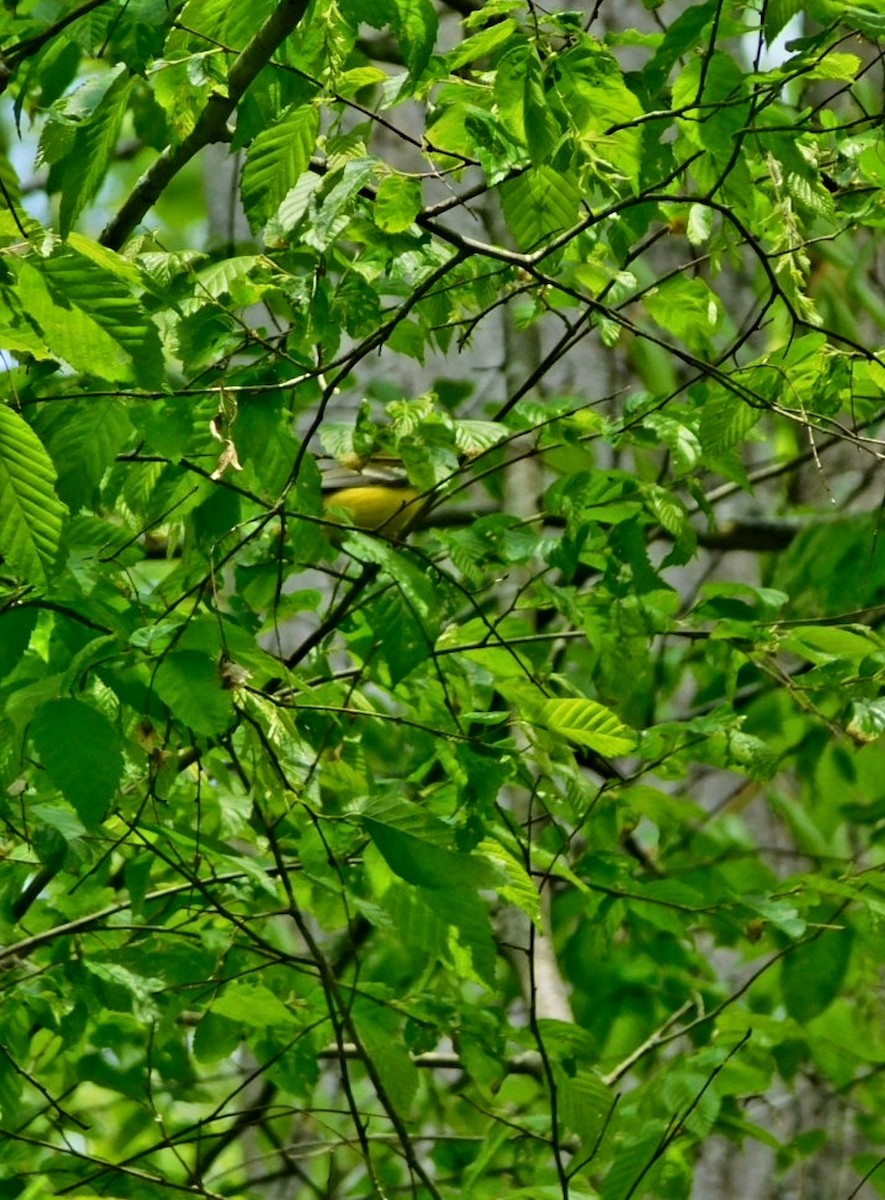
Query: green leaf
[635, 1153]
[82, 754]
[351, 82]
[597, 103]
[397, 203]
[700, 224]
[334, 214]
[84, 438]
[814, 972]
[867, 719]
[780, 913]
[510, 89]
[447, 924]
[863, 19]
[190, 684]
[682, 34]
[668, 509]
[587, 723]
[688, 309]
[474, 437]
[31, 515]
[778, 14]
[834, 66]
[11, 1085]
[409, 577]
[76, 279]
[216, 1037]
[227, 278]
[252, 1005]
[398, 1073]
[359, 305]
[275, 161]
[420, 920]
[518, 889]
[416, 23]
[586, 1104]
[493, 143]
[417, 848]
[541, 130]
[16, 627]
[539, 203]
[725, 421]
[551, 1191]
[723, 83]
[408, 338]
[824, 643]
[17, 335]
[297, 201]
[90, 319]
[403, 639]
[481, 45]
[93, 145]
[680, 440]
[473, 950]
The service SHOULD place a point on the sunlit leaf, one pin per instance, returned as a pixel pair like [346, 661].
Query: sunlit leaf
[81, 750]
[587, 723]
[31, 515]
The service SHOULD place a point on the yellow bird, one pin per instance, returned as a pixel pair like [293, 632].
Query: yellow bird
[376, 496]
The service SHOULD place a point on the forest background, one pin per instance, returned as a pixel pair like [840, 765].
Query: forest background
[538, 853]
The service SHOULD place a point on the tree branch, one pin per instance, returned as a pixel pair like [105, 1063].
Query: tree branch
[211, 124]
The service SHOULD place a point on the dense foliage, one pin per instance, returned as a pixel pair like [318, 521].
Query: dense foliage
[538, 852]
